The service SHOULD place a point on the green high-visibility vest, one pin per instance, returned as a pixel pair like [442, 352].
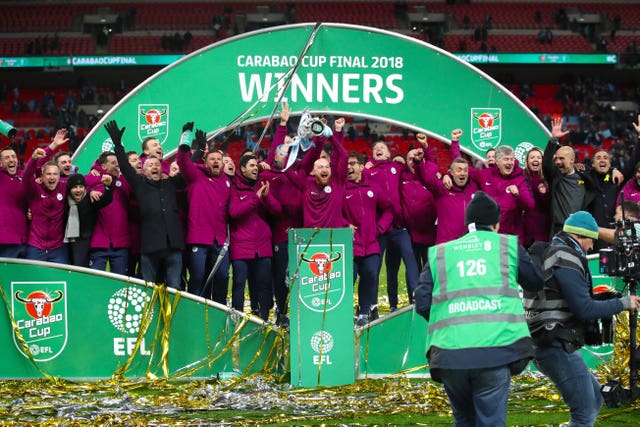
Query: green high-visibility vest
[475, 300]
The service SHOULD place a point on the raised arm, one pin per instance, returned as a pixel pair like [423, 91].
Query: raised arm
[59, 140]
[338, 154]
[188, 170]
[30, 170]
[280, 134]
[306, 164]
[548, 166]
[116, 137]
[454, 150]
[199, 146]
[427, 173]
[426, 149]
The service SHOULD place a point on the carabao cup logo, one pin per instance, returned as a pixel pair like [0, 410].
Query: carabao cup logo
[153, 121]
[486, 127]
[40, 313]
[322, 280]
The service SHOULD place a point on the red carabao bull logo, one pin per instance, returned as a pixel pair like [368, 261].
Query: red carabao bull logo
[320, 263]
[153, 116]
[485, 120]
[38, 304]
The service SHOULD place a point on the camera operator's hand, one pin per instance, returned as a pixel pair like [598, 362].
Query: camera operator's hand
[635, 303]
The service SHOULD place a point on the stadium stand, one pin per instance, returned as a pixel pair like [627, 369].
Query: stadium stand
[60, 28]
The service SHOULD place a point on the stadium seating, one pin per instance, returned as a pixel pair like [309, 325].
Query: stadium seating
[144, 21]
[68, 45]
[504, 15]
[376, 14]
[629, 13]
[566, 43]
[513, 28]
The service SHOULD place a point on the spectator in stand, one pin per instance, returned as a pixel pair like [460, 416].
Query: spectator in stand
[46, 203]
[384, 173]
[602, 44]
[81, 214]
[250, 204]
[538, 16]
[13, 207]
[110, 242]
[536, 220]
[368, 216]
[161, 230]
[541, 36]
[187, 38]
[208, 190]
[507, 185]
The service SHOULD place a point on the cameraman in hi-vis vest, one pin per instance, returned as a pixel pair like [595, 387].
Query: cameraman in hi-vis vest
[477, 335]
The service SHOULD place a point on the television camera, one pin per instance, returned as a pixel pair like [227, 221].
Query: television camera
[623, 260]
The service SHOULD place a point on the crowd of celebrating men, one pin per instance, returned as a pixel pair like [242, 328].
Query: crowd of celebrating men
[188, 223]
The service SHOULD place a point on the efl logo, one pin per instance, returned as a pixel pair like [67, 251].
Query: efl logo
[153, 121]
[486, 127]
[126, 310]
[40, 312]
[322, 342]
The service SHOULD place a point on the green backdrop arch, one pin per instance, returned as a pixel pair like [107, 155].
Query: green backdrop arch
[345, 70]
